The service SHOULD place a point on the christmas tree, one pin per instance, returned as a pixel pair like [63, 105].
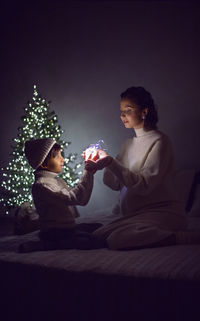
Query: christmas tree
[37, 122]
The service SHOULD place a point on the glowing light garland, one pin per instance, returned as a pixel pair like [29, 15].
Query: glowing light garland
[92, 151]
[18, 177]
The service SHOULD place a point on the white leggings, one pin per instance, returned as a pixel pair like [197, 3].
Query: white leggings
[139, 231]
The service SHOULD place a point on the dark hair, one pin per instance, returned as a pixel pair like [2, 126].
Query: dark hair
[52, 153]
[143, 99]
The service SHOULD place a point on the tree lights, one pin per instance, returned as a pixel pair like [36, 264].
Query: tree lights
[37, 122]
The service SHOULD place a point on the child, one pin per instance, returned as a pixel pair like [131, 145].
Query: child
[55, 201]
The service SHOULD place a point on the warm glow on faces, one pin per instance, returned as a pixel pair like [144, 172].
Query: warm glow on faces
[131, 114]
[55, 164]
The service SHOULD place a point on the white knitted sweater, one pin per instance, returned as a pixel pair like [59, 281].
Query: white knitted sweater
[143, 171]
[54, 200]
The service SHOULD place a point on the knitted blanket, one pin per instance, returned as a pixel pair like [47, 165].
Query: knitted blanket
[99, 285]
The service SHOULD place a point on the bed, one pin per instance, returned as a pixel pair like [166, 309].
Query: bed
[155, 284]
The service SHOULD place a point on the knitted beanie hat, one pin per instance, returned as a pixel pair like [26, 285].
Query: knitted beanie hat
[37, 150]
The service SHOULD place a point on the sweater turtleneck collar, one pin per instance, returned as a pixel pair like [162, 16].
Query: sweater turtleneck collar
[139, 132]
[44, 173]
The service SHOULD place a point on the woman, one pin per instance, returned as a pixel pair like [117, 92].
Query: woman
[143, 172]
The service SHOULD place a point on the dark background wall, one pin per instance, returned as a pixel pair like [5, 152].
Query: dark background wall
[82, 55]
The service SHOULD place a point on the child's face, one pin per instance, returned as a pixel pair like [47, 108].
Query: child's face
[55, 164]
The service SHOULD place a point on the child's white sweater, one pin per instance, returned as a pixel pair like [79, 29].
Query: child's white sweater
[55, 201]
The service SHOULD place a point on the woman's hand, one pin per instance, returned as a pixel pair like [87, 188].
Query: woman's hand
[103, 162]
[101, 153]
[99, 164]
[95, 159]
[93, 154]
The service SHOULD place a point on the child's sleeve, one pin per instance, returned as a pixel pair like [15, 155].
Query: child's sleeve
[78, 195]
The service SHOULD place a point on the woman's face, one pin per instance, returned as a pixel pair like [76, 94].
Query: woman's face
[131, 114]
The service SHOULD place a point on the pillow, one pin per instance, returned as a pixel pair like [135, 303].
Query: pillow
[183, 184]
[195, 209]
[26, 219]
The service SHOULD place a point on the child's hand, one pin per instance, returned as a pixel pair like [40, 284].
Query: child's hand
[91, 166]
[99, 164]
[90, 154]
